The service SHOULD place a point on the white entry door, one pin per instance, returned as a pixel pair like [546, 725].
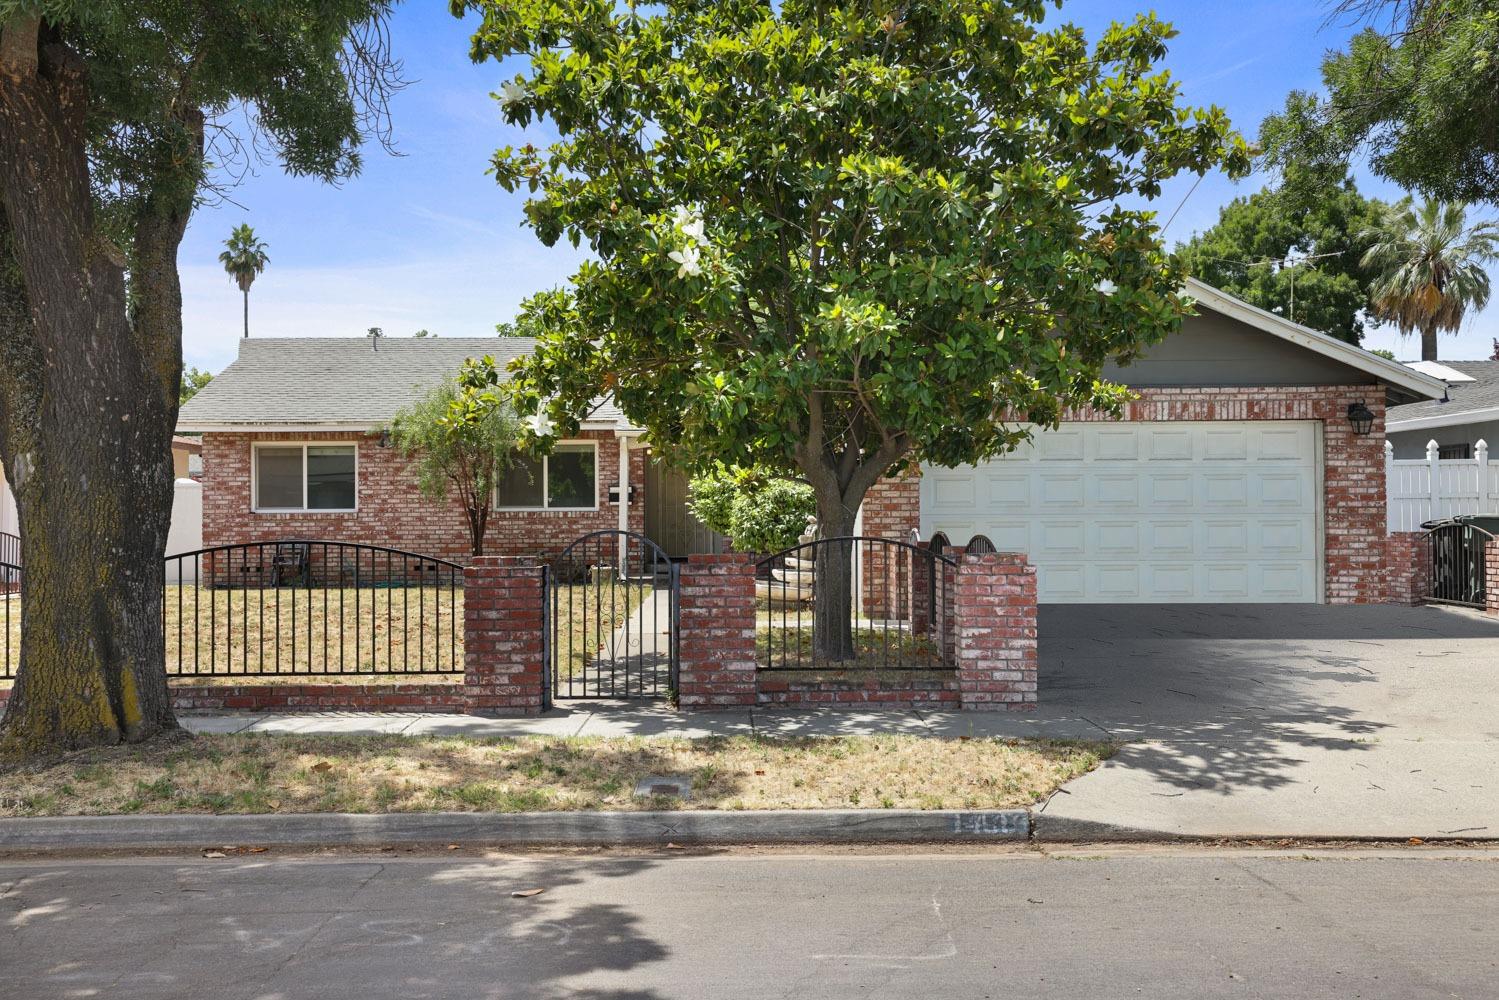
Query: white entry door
[1197, 512]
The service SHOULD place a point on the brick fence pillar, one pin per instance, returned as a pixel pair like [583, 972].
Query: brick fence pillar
[1407, 567]
[502, 640]
[995, 618]
[1491, 576]
[716, 632]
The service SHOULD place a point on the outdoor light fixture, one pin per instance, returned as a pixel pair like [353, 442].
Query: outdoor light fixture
[385, 435]
[1361, 417]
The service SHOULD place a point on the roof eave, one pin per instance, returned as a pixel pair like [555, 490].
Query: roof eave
[1453, 419]
[1392, 373]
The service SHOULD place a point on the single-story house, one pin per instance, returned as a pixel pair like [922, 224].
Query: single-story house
[1250, 468]
[293, 448]
[1465, 414]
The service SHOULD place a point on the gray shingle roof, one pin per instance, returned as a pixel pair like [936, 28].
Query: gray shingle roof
[1463, 397]
[341, 380]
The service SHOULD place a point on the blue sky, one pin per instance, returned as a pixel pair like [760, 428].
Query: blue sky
[427, 240]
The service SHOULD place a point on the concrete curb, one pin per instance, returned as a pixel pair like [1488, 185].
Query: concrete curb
[556, 829]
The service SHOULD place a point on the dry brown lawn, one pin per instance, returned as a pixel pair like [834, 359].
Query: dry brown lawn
[283, 773]
[357, 634]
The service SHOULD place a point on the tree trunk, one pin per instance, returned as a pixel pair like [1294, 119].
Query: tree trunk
[1429, 343]
[832, 620]
[247, 313]
[87, 406]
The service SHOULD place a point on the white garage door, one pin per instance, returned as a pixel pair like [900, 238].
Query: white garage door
[1148, 512]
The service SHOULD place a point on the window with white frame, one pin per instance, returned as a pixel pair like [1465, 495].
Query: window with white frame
[567, 479]
[305, 477]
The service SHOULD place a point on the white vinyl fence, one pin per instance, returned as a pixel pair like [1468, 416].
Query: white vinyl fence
[1425, 489]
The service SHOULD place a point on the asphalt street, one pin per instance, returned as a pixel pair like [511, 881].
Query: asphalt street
[1158, 923]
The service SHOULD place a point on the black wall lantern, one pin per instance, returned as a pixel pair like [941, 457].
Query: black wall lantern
[1361, 417]
[385, 437]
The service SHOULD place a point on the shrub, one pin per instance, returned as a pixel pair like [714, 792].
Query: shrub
[759, 513]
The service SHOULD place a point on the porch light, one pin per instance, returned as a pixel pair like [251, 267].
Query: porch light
[1361, 418]
[385, 437]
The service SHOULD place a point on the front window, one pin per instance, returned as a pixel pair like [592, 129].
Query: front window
[1454, 452]
[567, 479]
[297, 477]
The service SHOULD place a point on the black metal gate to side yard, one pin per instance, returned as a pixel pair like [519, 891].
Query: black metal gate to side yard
[1458, 569]
[611, 609]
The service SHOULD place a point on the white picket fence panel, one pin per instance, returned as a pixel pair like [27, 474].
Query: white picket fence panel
[1425, 489]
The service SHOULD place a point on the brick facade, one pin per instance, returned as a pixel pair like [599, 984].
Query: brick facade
[1491, 576]
[392, 511]
[1353, 487]
[503, 646]
[716, 632]
[996, 631]
[1408, 557]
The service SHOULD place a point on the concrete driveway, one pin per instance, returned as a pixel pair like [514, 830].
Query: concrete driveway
[1276, 720]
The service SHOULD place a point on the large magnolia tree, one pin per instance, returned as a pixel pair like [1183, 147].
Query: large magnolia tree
[832, 239]
[116, 119]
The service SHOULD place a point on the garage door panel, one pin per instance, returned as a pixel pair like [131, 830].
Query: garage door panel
[1165, 443]
[1061, 489]
[1171, 489]
[1068, 581]
[1188, 511]
[1111, 490]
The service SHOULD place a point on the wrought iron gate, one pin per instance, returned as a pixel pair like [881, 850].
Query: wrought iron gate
[1458, 570]
[611, 618]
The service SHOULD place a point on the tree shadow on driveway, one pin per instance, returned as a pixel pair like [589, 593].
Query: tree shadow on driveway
[1242, 696]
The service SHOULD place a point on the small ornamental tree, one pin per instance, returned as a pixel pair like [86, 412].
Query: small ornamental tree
[833, 239]
[460, 438]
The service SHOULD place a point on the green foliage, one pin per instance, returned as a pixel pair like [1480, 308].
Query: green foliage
[460, 438]
[1414, 91]
[1388, 355]
[522, 326]
[831, 238]
[244, 256]
[758, 513]
[1301, 242]
[192, 381]
[1429, 268]
[423, 333]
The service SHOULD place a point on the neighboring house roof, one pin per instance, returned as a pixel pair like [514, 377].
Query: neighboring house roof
[1466, 401]
[1406, 383]
[343, 383]
[193, 446]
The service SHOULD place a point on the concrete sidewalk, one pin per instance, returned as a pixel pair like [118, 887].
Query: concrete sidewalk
[634, 718]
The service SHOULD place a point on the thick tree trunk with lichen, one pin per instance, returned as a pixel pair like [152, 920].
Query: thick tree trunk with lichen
[88, 378]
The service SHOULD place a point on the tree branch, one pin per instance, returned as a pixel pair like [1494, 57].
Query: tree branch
[18, 46]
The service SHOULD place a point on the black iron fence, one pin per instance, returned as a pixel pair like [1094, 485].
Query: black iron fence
[1458, 568]
[854, 603]
[309, 607]
[611, 609]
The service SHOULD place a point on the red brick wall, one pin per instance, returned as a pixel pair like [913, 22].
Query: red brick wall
[1353, 491]
[1491, 576]
[502, 636]
[392, 511]
[1408, 558]
[319, 698]
[716, 632]
[996, 631]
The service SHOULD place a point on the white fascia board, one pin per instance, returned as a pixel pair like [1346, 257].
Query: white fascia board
[1390, 372]
[1443, 420]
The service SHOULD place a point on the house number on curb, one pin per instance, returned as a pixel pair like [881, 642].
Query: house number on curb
[989, 823]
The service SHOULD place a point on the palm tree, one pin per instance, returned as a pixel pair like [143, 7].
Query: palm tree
[244, 257]
[1428, 266]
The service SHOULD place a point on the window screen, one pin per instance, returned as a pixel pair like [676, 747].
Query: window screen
[278, 478]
